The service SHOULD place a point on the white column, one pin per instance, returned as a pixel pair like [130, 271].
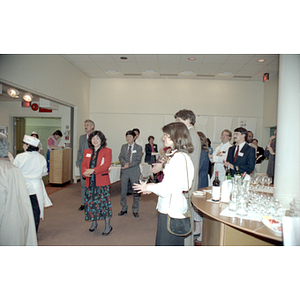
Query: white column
[287, 160]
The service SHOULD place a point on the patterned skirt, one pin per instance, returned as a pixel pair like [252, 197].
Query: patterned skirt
[97, 203]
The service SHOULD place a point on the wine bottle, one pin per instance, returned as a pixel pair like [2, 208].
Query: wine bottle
[228, 174]
[237, 172]
[216, 188]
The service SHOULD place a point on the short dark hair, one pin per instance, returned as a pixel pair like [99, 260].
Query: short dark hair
[100, 135]
[58, 132]
[255, 140]
[31, 148]
[136, 129]
[150, 137]
[130, 132]
[35, 134]
[185, 114]
[242, 130]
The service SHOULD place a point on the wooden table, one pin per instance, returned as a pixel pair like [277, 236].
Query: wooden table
[230, 231]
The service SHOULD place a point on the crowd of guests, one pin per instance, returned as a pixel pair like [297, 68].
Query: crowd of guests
[185, 163]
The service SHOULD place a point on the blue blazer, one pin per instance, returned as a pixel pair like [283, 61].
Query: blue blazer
[246, 163]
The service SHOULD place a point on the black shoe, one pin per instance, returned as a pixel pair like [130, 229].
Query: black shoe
[93, 229]
[129, 193]
[121, 213]
[107, 233]
[136, 215]
[81, 207]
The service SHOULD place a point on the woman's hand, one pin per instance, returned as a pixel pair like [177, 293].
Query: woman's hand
[141, 188]
[88, 172]
[271, 150]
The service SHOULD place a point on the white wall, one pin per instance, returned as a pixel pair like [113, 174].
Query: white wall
[117, 105]
[54, 78]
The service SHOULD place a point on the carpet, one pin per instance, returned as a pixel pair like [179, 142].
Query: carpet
[64, 225]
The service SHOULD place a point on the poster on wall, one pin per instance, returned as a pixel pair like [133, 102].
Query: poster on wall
[248, 123]
[220, 124]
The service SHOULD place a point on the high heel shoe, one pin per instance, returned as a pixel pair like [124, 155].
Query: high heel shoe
[93, 229]
[107, 233]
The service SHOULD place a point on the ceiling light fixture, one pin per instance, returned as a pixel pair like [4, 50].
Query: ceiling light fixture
[14, 93]
[191, 58]
[261, 60]
[27, 97]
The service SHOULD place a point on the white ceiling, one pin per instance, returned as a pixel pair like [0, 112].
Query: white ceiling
[206, 66]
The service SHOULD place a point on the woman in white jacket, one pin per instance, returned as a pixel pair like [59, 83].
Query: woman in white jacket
[178, 177]
[33, 166]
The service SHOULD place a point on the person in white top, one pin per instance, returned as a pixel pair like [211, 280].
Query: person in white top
[178, 177]
[220, 154]
[41, 150]
[16, 216]
[33, 166]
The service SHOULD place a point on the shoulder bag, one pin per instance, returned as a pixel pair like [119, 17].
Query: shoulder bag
[181, 227]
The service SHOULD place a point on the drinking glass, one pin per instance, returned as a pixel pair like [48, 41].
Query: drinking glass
[277, 205]
[144, 178]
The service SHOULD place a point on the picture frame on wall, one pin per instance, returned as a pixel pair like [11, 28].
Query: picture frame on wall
[4, 129]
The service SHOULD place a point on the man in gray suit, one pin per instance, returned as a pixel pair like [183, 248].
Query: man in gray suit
[89, 126]
[189, 119]
[130, 158]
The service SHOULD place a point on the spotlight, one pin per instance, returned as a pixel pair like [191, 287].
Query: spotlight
[14, 93]
[27, 97]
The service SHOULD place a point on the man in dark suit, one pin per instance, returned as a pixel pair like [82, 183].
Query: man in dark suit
[130, 157]
[241, 154]
[89, 126]
[259, 155]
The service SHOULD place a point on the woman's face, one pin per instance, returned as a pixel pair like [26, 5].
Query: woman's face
[151, 140]
[96, 141]
[167, 140]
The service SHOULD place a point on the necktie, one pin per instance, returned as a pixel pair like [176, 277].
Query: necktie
[236, 153]
[129, 154]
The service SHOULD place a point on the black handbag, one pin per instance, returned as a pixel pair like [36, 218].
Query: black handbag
[181, 227]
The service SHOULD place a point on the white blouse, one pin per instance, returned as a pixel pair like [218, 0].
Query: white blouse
[171, 199]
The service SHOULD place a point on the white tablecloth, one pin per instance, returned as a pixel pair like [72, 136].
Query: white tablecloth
[114, 173]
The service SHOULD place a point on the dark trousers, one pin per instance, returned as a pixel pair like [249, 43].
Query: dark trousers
[163, 236]
[36, 211]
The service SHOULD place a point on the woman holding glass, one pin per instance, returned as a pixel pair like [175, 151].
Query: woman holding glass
[178, 177]
[95, 168]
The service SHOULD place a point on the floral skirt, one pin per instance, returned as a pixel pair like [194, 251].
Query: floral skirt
[97, 203]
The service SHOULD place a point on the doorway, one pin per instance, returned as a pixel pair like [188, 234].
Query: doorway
[44, 127]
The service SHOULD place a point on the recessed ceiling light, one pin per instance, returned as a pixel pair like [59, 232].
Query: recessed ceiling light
[191, 58]
[123, 57]
[261, 60]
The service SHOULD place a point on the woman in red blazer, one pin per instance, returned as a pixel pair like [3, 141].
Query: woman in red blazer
[95, 168]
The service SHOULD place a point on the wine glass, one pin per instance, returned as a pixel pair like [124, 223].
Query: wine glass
[269, 181]
[277, 205]
[144, 178]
